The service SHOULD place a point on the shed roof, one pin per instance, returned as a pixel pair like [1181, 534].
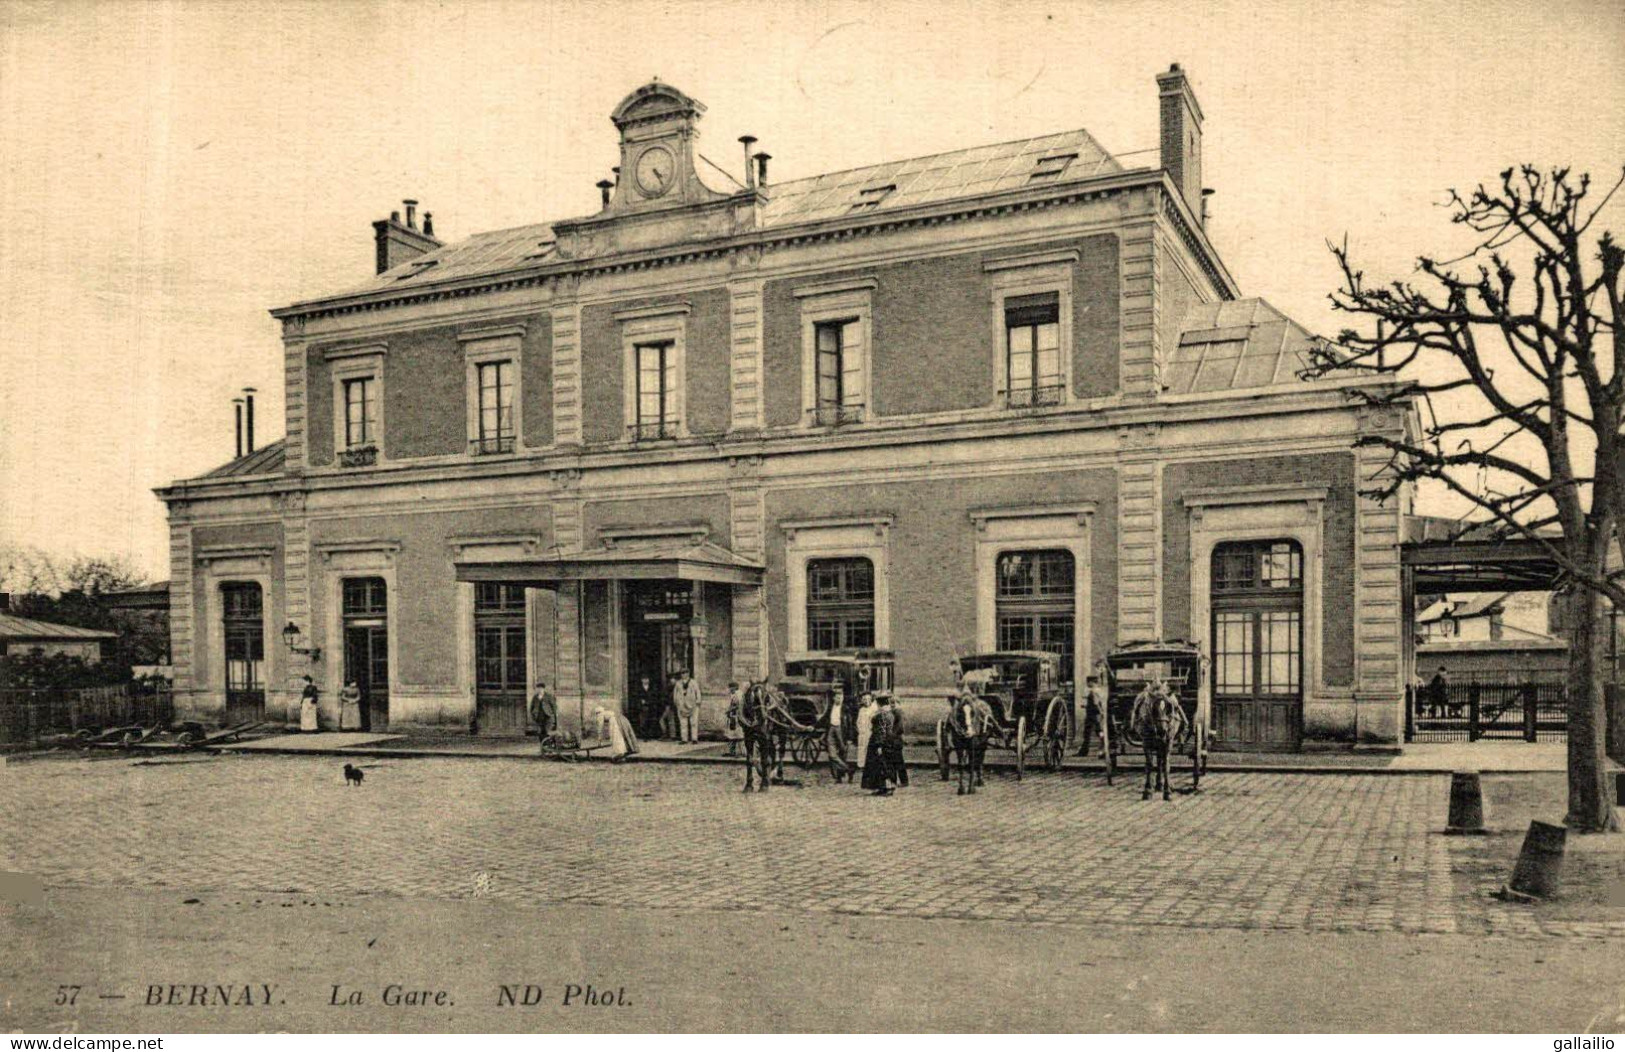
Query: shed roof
[1234, 345]
[26, 628]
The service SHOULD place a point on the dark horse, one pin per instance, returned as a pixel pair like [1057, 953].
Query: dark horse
[1159, 721]
[969, 723]
[765, 720]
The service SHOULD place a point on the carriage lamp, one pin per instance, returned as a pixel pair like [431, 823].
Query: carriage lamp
[290, 636]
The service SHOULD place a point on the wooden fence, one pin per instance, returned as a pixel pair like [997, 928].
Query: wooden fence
[29, 715]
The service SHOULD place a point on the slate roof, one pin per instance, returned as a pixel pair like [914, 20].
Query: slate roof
[1054, 158]
[266, 460]
[1234, 345]
[26, 628]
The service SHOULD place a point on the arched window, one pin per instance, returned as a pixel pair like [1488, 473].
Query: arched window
[1036, 603]
[840, 603]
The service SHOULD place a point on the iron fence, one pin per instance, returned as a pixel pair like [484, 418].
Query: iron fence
[27, 715]
[1509, 705]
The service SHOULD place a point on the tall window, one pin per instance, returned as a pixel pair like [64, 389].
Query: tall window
[496, 423]
[656, 390]
[839, 372]
[360, 413]
[840, 603]
[1257, 596]
[1035, 603]
[365, 597]
[499, 638]
[1033, 349]
[243, 607]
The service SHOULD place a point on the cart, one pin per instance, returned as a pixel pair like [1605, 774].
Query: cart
[809, 685]
[1129, 669]
[1030, 705]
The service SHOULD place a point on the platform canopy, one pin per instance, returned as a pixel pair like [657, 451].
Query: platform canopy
[682, 559]
[1520, 565]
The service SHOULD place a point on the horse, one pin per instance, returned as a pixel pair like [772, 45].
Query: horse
[1159, 721]
[969, 723]
[766, 721]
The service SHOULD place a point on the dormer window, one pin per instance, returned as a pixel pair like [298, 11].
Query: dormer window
[1050, 168]
[871, 196]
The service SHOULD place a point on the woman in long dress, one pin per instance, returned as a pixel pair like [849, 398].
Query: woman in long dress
[865, 722]
[307, 707]
[876, 769]
[617, 730]
[350, 707]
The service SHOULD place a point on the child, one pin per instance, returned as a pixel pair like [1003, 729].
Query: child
[733, 732]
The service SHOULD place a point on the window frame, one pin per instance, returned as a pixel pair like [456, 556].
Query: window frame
[344, 366]
[643, 327]
[1009, 278]
[492, 347]
[850, 305]
[1040, 604]
[666, 422]
[844, 612]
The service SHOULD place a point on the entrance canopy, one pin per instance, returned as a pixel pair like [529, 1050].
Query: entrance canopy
[1520, 565]
[678, 558]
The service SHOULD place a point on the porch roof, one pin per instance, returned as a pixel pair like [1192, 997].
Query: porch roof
[684, 559]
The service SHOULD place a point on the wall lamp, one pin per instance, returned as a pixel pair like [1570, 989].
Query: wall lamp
[290, 636]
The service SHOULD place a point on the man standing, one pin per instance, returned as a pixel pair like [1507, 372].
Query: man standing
[1438, 694]
[1094, 709]
[835, 734]
[646, 705]
[544, 712]
[686, 698]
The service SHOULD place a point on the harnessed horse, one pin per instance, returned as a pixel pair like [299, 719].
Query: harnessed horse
[969, 723]
[766, 720]
[1159, 721]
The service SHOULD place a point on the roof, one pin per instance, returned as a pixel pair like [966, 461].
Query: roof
[25, 628]
[1236, 344]
[680, 558]
[1479, 605]
[1054, 158]
[266, 460]
[1010, 655]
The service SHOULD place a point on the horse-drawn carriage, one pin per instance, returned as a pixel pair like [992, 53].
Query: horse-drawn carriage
[1029, 703]
[809, 685]
[1139, 674]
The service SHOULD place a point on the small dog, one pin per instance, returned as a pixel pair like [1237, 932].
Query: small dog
[352, 775]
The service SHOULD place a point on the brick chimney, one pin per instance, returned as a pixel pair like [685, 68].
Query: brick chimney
[398, 242]
[1182, 136]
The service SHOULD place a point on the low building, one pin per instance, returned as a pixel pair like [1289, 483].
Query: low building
[1006, 397]
[24, 635]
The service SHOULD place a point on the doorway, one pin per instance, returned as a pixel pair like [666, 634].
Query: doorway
[1257, 633]
[366, 647]
[659, 641]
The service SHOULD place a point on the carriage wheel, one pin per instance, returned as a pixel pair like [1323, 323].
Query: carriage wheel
[942, 749]
[1055, 739]
[806, 751]
[1021, 747]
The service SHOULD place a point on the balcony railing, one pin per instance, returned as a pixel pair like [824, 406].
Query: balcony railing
[836, 415]
[653, 432]
[1034, 397]
[358, 457]
[486, 445]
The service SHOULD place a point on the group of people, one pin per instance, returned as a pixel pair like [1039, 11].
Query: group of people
[675, 717]
[349, 707]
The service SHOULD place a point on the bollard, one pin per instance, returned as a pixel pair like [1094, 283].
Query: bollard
[1466, 805]
[1540, 864]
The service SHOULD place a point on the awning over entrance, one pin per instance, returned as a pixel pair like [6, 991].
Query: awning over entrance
[682, 559]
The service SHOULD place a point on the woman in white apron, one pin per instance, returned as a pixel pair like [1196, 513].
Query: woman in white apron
[866, 719]
[307, 707]
[617, 730]
[350, 708]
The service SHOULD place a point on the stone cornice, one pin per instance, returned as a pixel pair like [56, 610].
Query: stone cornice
[934, 213]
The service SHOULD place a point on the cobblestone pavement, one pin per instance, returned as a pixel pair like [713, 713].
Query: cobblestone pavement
[1258, 850]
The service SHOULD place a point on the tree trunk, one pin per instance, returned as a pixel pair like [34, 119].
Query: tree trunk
[1591, 807]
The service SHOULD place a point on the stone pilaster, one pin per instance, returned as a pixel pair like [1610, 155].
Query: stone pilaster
[182, 617]
[567, 537]
[747, 530]
[1139, 534]
[296, 383]
[567, 372]
[1140, 357]
[745, 359]
[1379, 657]
[297, 603]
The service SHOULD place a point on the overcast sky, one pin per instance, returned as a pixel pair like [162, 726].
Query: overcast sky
[169, 172]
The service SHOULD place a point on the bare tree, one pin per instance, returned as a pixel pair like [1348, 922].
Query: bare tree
[1510, 350]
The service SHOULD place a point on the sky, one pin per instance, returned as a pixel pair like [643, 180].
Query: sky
[169, 172]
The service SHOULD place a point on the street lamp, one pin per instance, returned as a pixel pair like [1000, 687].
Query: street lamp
[290, 636]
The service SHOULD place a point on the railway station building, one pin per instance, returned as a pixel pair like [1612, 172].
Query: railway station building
[1007, 397]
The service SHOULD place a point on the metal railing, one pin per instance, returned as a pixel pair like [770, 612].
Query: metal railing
[653, 432]
[27, 715]
[358, 457]
[1527, 705]
[486, 445]
[1033, 397]
[836, 415]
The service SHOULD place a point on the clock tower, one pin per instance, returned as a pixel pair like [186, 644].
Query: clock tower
[657, 126]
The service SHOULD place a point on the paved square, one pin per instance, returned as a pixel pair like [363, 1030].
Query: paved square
[1252, 851]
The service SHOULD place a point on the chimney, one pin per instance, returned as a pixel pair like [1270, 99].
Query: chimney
[747, 141]
[248, 417]
[761, 168]
[237, 404]
[1181, 135]
[398, 242]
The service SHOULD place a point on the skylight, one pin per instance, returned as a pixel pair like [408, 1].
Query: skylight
[871, 196]
[1051, 167]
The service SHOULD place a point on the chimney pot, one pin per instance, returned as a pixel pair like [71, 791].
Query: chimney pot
[604, 187]
[395, 216]
[248, 415]
[747, 141]
[237, 407]
[411, 213]
[761, 167]
[428, 224]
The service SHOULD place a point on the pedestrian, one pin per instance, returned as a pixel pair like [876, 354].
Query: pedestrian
[646, 703]
[835, 733]
[669, 725]
[1094, 712]
[687, 699]
[733, 730]
[616, 729]
[876, 769]
[1438, 693]
[544, 712]
[307, 707]
[350, 707]
[865, 728]
[897, 769]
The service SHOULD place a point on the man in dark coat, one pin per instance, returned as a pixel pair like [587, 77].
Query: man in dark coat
[876, 760]
[894, 742]
[544, 712]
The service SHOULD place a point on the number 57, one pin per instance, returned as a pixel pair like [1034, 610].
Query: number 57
[67, 995]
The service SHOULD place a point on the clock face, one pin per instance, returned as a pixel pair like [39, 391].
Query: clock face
[655, 170]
